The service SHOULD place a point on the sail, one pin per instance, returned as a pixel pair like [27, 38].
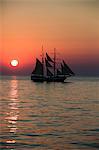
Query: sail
[48, 58]
[66, 67]
[47, 63]
[49, 72]
[59, 72]
[38, 68]
[64, 70]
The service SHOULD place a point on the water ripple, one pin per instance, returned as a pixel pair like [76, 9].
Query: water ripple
[52, 116]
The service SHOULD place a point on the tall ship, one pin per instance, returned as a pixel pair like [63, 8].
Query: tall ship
[50, 71]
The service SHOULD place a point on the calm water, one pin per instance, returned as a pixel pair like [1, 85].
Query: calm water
[54, 116]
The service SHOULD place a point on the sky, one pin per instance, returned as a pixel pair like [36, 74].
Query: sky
[70, 26]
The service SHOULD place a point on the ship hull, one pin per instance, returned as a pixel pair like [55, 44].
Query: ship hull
[48, 79]
[55, 79]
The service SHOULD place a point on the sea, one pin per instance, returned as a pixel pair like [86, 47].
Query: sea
[49, 116]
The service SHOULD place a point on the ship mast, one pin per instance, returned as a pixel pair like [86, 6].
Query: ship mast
[43, 58]
[54, 62]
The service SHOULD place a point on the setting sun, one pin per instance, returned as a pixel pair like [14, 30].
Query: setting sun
[14, 63]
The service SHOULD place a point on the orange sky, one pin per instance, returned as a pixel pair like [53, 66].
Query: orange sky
[71, 26]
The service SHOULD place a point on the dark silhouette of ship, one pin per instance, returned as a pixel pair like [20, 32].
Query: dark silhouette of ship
[49, 71]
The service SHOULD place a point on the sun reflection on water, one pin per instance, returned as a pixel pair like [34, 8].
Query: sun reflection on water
[12, 115]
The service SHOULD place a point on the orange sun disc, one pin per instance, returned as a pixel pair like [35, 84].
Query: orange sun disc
[14, 62]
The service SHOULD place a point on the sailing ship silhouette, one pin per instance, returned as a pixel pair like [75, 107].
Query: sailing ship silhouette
[48, 71]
